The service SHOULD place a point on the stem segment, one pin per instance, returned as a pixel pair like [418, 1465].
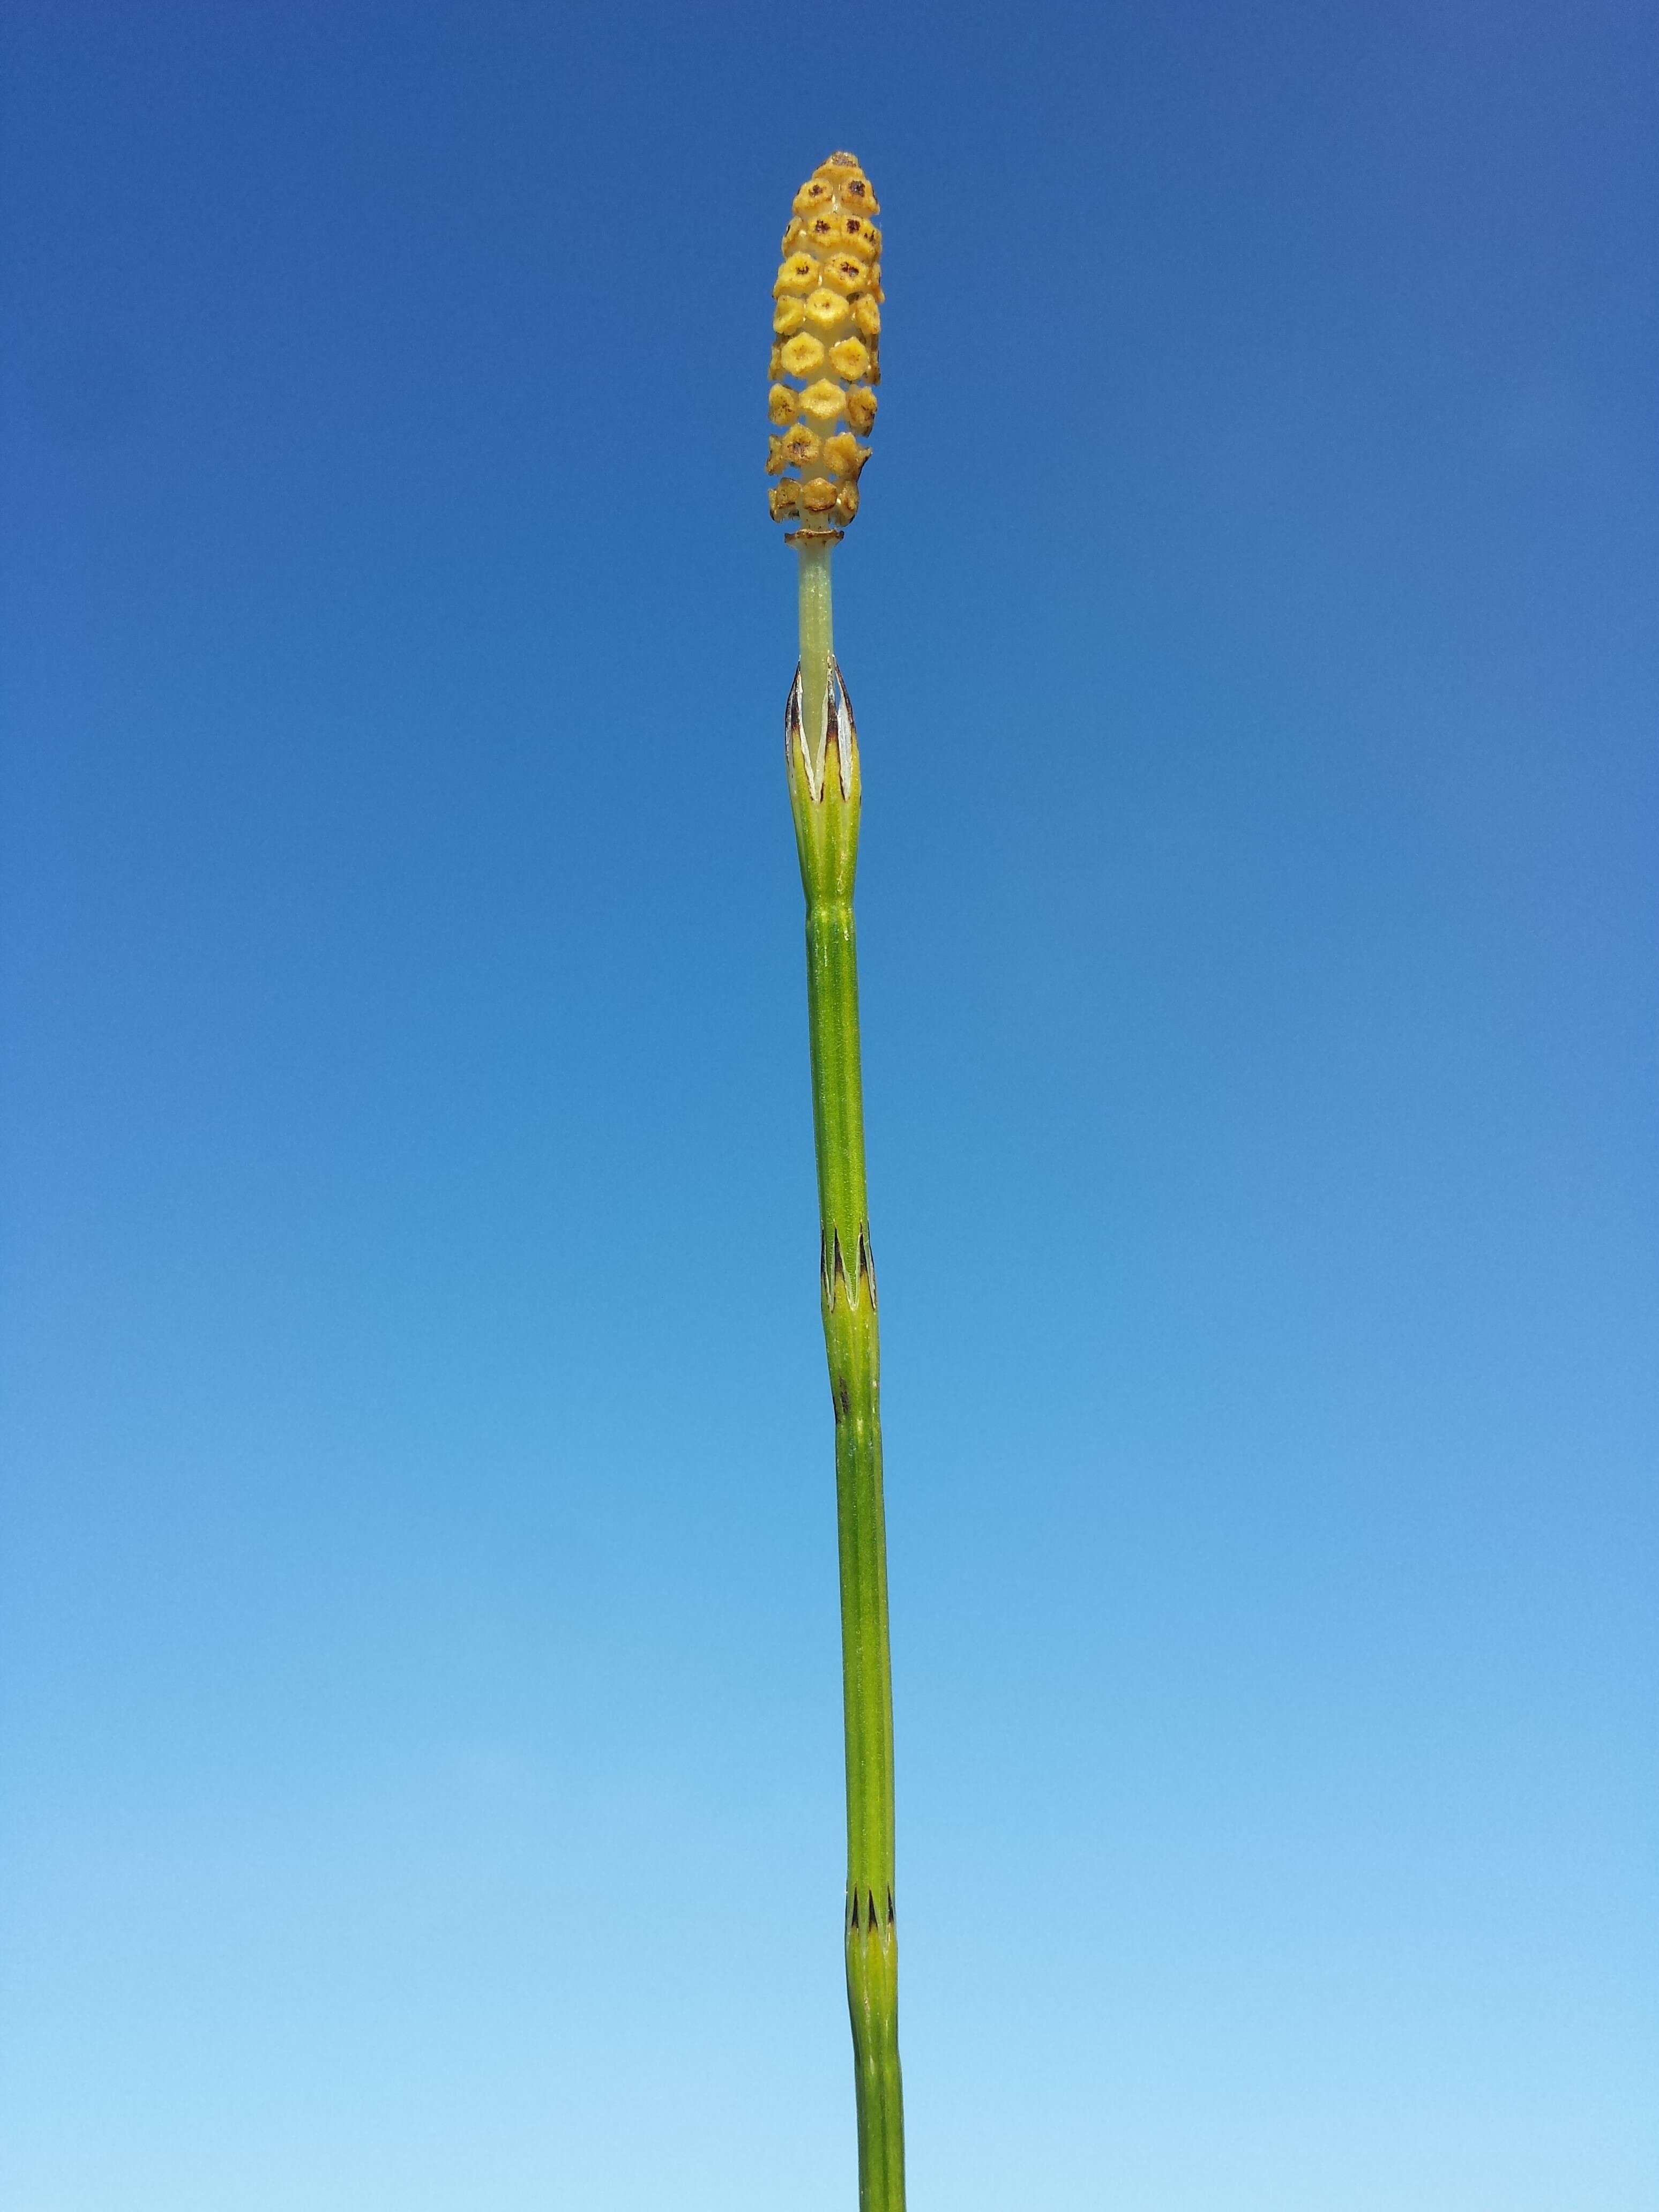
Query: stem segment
[824, 791]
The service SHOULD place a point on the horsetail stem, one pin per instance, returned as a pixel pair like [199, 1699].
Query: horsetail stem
[826, 318]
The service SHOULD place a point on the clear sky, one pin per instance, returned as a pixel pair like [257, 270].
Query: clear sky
[420, 1724]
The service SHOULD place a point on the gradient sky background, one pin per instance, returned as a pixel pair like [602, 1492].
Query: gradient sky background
[421, 1700]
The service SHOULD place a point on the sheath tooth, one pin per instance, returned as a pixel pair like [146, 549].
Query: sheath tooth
[838, 725]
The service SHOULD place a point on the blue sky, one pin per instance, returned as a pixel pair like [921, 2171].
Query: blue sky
[420, 1691]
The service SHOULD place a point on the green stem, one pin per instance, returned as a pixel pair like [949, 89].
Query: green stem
[817, 640]
[825, 789]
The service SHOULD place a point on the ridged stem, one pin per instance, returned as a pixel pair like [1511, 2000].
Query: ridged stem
[825, 789]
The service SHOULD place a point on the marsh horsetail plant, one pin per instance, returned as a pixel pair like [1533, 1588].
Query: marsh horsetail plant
[826, 325]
